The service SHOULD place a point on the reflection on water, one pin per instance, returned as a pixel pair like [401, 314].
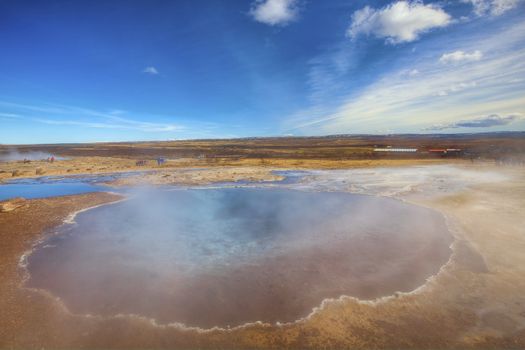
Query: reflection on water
[228, 256]
[51, 186]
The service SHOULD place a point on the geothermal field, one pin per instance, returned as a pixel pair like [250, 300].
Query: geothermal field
[262, 174]
[111, 249]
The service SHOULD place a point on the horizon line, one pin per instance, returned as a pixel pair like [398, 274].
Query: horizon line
[273, 137]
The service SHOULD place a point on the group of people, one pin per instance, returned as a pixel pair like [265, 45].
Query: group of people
[159, 160]
[49, 159]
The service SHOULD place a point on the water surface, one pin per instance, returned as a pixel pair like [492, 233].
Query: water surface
[52, 186]
[224, 257]
[30, 191]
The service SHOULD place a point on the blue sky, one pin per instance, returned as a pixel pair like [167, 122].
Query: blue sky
[87, 71]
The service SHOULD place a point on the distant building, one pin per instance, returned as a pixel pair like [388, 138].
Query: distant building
[396, 150]
[444, 150]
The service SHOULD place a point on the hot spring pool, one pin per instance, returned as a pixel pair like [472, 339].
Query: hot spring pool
[224, 257]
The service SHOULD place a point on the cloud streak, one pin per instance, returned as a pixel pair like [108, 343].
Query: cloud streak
[123, 125]
[460, 56]
[83, 117]
[480, 122]
[9, 116]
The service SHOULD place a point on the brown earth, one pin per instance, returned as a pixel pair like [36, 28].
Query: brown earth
[338, 147]
[259, 168]
[337, 152]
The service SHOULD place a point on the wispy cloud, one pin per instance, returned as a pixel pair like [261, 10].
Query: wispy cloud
[84, 117]
[480, 122]
[274, 12]
[402, 21]
[492, 7]
[460, 56]
[151, 70]
[438, 94]
[122, 125]
[457, 88]
[9, 116]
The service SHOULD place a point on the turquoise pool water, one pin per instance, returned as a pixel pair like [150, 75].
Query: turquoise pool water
[227, 256]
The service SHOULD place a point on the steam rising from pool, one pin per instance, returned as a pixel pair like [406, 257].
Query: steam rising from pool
[225, 257]
[12, 154]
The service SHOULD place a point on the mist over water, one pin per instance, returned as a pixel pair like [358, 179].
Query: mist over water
[12, 154]
[224, 257]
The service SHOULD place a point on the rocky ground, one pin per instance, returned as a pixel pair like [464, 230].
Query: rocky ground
[476, 301]
[198, 176]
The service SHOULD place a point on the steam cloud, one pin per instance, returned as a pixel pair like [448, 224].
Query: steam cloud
[12, 154]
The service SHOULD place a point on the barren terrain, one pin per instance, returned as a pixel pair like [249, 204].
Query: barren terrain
[335, 152]
[476, 300]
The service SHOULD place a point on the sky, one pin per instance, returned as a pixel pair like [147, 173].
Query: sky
[96, 71]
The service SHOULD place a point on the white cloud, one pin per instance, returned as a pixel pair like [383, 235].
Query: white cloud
[461, 56]
[150, 70]
[274, 12]
[492, 7]
[402, 21]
